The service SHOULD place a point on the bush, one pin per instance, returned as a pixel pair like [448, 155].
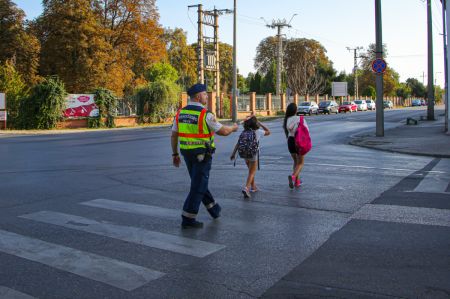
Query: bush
[107, 104]
[157, 101]
[43, 109]
[226, 106]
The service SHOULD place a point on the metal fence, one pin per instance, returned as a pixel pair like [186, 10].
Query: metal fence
[261, 102]
[126, 107]
[276, 103]
[243, 102]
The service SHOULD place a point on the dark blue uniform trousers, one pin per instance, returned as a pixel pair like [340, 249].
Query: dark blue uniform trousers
[199, 173]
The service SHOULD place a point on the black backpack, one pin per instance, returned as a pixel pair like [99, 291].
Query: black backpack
[248, 146]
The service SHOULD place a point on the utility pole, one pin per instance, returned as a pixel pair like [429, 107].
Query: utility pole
[379, 77]
[446, 17]
[234, 104]
[279, 24]
[355, 67]
[200, 49]
[430, 87]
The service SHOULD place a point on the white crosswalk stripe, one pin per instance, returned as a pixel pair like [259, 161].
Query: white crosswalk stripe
[99, 268]
[7, 293]
[436, 181]
[136, 235]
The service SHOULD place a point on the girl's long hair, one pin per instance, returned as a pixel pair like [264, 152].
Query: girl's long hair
[291, 110]
[251, 124]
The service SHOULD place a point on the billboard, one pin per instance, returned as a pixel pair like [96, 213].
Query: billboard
[339, 89]
[3, 115]
[2, 101]
[80, 105]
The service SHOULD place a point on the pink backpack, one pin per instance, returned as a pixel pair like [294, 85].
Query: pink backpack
[302, 138]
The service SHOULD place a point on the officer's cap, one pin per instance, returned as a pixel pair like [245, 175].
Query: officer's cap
[196, 88]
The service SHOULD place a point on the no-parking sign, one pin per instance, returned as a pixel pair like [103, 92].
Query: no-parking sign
[379, 66]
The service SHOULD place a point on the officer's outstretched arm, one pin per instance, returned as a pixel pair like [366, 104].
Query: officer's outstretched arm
[227, 130]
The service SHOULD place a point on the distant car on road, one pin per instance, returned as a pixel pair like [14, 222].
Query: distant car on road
[371, 104]
[348, 106]
[416, 102]
[361, 104]
[328, 107]
[388, 104]
[423, 102]
[308, 108]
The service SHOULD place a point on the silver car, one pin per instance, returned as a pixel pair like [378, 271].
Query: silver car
[362, 106]
[308, 108]
[371, 104]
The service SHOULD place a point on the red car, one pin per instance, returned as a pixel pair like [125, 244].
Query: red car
[348, 106]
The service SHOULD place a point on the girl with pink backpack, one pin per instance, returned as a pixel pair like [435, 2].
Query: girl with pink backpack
[298, 140]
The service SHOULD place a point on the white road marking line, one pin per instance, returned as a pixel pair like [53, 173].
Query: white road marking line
[96, 267]
[403, 214]
[7, 293]
[135, 235]
[435, 182]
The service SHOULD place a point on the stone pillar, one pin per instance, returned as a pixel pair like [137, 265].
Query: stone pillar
[183, 100]
[283, 101]
[316, 98]
[212, 101]
[326, 97]
[221, 105]
[296, 99]
[269, 103]
[307, 98]
[252, 96]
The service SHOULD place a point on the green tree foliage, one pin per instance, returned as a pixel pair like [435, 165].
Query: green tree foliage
[17, 43]
[157, 101]
[266, 54]
[181, 56]
[369, 91]
[439, 94]
[417, 88]
[12, 84]
[255, 83]
[107, 104]
[403, 91]
[269, 81]
[44, 107]
[161, 71]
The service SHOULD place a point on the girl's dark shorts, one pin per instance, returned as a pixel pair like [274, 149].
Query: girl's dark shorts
[291, 145]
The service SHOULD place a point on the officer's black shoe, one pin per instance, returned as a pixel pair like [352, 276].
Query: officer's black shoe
[190, 223]
[215, 211]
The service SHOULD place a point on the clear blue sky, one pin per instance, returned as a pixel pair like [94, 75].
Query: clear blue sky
[335, 24]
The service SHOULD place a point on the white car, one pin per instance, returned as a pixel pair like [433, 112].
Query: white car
[371, 104]
[308, 108]
[362, 106]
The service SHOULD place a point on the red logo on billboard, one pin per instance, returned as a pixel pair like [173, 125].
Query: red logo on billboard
[83, 99]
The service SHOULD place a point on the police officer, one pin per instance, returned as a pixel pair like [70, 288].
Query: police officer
[194, 128]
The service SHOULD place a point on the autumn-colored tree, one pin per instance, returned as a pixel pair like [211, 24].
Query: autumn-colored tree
[73, 47]
[130, 27]
[17, 43]
[266, 54]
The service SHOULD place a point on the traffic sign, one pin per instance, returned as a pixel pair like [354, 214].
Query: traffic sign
[379, 66]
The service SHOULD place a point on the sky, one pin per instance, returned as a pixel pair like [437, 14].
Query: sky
[336, 24]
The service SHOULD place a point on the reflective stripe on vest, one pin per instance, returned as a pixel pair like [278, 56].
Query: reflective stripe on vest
[193, 131]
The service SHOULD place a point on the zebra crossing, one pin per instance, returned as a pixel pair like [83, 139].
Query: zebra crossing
[107, 270]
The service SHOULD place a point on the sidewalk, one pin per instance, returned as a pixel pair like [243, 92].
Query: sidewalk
[427, 138]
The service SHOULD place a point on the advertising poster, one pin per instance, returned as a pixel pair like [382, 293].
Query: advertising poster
[2, 101]
[80, 105]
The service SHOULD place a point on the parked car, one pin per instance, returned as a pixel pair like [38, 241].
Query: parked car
[423, 102]
[416, 102]
[361, 104]
[388, 104]
[328, 107]
[348, 106]
[371, 104]
[308, 108]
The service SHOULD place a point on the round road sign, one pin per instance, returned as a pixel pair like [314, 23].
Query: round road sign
[379, 66]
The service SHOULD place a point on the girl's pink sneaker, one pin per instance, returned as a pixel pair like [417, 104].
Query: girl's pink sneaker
[298, 182]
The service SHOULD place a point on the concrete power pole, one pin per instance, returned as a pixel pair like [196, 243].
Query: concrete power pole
[200, 49]
[447, 65]
[379, 77]
[355, 67]
[430, 87]
[279, 24]
[234, 102]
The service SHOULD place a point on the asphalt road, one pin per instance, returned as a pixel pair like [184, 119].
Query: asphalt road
[97, 214]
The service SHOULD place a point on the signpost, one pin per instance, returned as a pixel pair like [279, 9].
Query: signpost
[3, 113]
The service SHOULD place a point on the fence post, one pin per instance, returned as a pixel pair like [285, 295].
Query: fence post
[183, 100]
[296, 99]
[283, 102]
[316, 98]
[252, 97]
[269, 103]
[307, 98]
[212, 101]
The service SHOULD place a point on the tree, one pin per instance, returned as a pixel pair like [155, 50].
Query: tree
[73, 47]
[269, 81]
[12, 84]
[181, 56]
[17, 43]
[403, 91]
[266, 54]
[417, 88]
[161, 71]
[131, 29]
[307, 66]
[369, 91]
[255, 83]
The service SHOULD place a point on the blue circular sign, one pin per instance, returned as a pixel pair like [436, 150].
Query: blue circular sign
[379, 66]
